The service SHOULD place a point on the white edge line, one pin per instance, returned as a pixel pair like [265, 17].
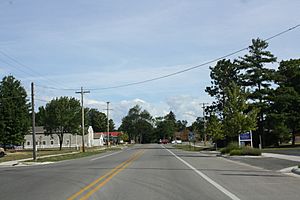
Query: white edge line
[105, 155]
[215, 184]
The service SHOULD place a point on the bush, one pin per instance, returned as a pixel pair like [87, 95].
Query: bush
[245, 151]
[236, 152]
[231, 146]
[251, 151]
[233, 149]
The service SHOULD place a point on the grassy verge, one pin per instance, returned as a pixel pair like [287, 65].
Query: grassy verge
[23, 154]
[75, 155]
[187, 147]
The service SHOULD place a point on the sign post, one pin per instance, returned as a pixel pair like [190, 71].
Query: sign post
[245, 137]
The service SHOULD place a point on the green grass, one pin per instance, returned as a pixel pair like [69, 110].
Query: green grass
[76, 155]
[187, 147]
[23, 154]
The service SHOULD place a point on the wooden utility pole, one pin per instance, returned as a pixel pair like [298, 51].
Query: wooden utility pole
[107, 115]
[204, 120]
[82, 115]
[33, 123]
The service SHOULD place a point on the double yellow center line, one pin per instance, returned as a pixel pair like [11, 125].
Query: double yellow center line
[97, 184]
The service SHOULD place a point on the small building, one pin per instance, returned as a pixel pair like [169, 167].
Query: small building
[69, 140]
[91, 139]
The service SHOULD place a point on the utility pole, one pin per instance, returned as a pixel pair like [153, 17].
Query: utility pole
[33, 123]
[204, 120]
[107, 115]
[82, 115]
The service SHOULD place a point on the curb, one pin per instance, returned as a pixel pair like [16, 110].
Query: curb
[296, 171]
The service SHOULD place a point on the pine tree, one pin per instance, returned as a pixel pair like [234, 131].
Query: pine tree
[222, 75]
[257, 77]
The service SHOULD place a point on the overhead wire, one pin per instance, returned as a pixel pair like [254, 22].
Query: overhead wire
[194, 67]
[174, 73]
[31, 73]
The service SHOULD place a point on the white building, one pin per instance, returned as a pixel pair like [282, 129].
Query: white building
[69, 140]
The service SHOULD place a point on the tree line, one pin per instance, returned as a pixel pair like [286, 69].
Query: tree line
[144, 128]
[254, 93]
[59, 116]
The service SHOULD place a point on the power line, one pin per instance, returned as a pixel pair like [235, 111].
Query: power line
[194, 67]
[32, 72]
[180, 71]
[55, 88]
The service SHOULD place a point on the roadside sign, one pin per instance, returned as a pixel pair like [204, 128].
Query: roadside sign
[191, 136]
[245, 138]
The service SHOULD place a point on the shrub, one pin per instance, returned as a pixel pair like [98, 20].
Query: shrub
[245, 151]
[236, 152]
[231, 146]
[251, 151]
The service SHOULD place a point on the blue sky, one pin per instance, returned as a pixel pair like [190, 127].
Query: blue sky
[102, 43]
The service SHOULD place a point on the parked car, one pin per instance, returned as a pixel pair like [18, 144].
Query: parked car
[176, 142]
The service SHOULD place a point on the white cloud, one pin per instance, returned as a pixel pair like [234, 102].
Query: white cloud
[185, 107]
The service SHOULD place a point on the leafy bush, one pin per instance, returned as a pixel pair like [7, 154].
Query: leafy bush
[233, 149]
[231, 146]
[236, 152]
[251, 151]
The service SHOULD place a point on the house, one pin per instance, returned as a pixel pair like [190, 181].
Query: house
[113, 136]
[69, 140]
[91, 139]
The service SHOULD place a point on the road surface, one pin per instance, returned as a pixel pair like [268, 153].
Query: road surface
[150, 171]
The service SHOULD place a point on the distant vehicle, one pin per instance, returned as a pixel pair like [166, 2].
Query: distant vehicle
[163, 141]
[2, 152]
[176, 142]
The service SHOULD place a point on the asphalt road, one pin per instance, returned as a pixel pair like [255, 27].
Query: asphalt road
[147, 172]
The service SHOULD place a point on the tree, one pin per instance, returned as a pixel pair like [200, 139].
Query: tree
[286, 99]
[63, 115]
[214, 128]
[111, 125]
[257, 77]
[222, 75]
[181, 125]
[14, 112]
[138, 124]
[238, 118]
[198, 126]
[166, 126]
[97, 120]
[40, 116]
[124, 137]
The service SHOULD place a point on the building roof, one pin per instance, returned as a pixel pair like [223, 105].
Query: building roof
[112, 134]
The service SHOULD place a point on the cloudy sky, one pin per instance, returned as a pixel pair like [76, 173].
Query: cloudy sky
[66, 44]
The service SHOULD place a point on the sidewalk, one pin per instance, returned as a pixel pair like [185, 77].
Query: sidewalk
[282, 156]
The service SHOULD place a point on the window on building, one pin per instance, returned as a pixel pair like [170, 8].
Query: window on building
[51, 142]
[44, 142]
[28, 143]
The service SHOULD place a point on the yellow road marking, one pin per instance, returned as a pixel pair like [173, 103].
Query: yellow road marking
[91, 192]
[102, 177]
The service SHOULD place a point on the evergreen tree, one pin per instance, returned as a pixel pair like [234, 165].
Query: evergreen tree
[222, 75]
[14, 112]
[257, 77]
[286, 100]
